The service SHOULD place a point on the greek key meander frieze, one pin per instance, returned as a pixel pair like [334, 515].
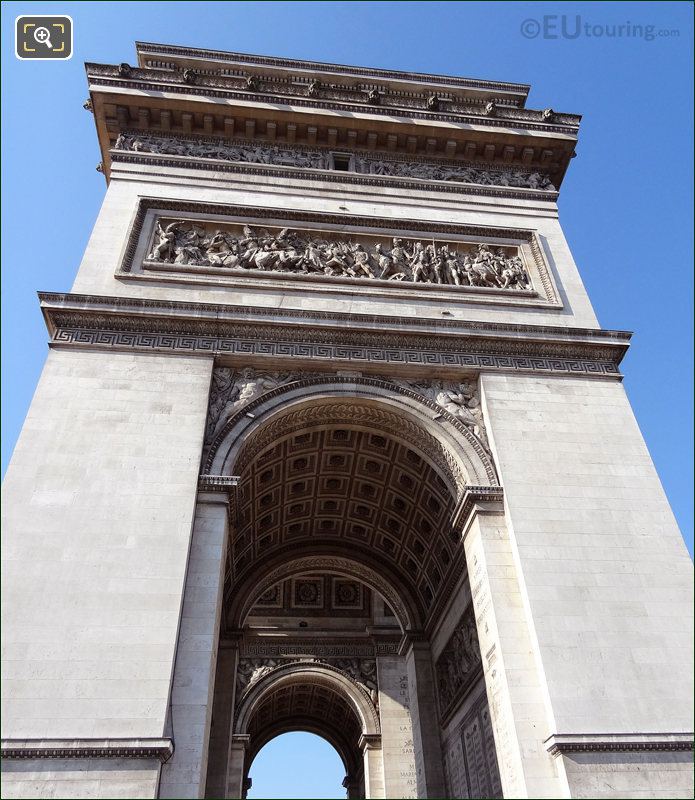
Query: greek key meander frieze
[322, 159]
[188, 243]
[327, 353]
[459, 663]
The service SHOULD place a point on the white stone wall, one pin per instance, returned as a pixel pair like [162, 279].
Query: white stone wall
[80, 778]
[605, 578]
[638, 775]
[97, 514]
[105, 249]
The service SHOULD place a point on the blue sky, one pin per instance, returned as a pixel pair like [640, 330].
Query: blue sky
[626, 204]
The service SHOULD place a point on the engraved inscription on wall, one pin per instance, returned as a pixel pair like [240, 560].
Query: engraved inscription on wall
[470, 761]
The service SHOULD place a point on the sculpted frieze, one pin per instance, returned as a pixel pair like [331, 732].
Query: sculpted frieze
[449, 172]
[252, 153]
[303, 252]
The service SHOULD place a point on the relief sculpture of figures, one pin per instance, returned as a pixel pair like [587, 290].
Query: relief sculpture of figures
[459, 662]
[459, 399]
[452, 172]
[305, 252]
[247, 152]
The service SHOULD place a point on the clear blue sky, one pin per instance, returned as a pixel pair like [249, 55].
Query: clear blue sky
[626, 205]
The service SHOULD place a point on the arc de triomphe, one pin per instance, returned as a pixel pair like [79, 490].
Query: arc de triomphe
[329, 439]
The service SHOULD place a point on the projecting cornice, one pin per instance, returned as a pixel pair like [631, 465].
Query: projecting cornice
[122, 748]
[312, 338]
[229, 95]
[562, 743]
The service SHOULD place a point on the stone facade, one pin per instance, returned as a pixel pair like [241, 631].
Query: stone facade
[329, 438]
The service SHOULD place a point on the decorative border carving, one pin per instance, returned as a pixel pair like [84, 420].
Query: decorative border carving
[217, 483]
[255, 647]
[392, 169]
[225, 330]
[160, 749]
[474, 495]
[218, 86]
[178, 51]
[297, 667]
[267, 170]
[561, 743]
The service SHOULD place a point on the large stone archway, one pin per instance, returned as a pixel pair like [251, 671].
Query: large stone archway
[310, 696]
[342, 480]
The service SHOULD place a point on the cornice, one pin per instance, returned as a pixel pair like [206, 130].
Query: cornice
[328, 337]
[222, 87]
[159, 749]
[561, 743]
[176, 51]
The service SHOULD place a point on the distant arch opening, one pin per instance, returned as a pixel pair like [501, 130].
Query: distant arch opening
[298, 764]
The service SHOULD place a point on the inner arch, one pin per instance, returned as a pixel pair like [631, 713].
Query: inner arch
[317, 771]
[339, 489]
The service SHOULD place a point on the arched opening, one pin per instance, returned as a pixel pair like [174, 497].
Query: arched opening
[343, 553]
[331, 700]
[297, 764]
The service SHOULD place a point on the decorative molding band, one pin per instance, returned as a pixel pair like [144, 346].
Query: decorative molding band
[131, 324]
[561, 743]
[205, 345]
[217, 483]
[218, 86]
[473, 496]
[160, 749]
[225, 56]
[325, 176]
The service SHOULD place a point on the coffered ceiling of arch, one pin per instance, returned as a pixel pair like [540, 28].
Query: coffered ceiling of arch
[361, 490]
[318, 595]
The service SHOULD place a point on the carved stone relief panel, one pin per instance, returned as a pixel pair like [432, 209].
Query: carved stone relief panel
[261, 247]
[238, 247]
[361, 670]
[459, 664]
[248, 152]
[233, 389]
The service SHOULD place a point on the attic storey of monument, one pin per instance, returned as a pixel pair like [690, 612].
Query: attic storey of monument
[338, 445]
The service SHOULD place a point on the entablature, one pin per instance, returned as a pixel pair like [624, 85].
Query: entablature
[349, 109]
